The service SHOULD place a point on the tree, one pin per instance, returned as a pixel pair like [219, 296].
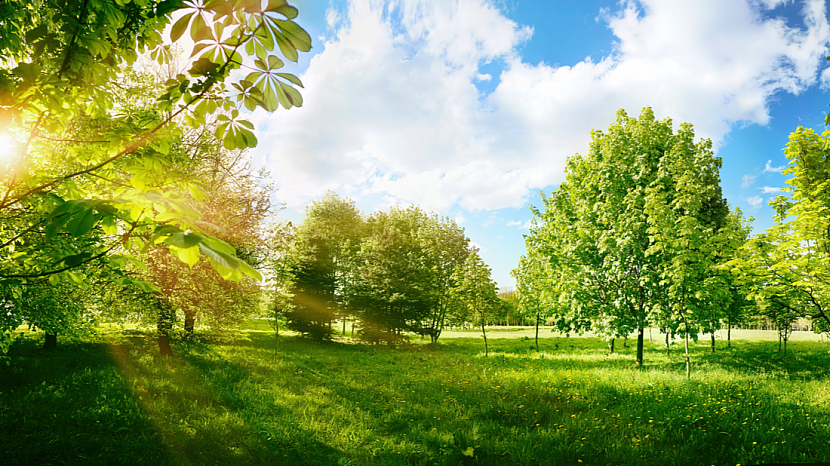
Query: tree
[786, 270]
[325, 246]
[82, 160]
[535, 283]
[627, 232]
[690, 233]
[477, 291]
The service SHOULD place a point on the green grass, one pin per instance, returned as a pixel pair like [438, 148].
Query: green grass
[108, 399]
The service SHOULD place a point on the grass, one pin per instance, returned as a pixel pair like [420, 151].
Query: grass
[108, 399]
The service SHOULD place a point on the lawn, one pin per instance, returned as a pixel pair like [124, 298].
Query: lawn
[109, 399]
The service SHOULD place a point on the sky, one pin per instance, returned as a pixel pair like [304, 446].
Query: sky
[470, 108]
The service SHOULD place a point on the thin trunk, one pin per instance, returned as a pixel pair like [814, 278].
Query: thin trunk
[688, 361]
[189, 324]
[729, 336]
[344, 326]
[354, 319]
[667, 343]
[164, 325]
[650, 339]
[611, 346]
[537, 330]
[640, 335]
[625, 342]
[276, 339]
[483, 332]
[51, 341]
[713, 341]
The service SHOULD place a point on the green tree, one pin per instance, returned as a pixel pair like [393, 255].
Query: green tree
[325, 246]
[785, 270]
[82, 159]
[635, 231]
[690, 233]
[477, 291]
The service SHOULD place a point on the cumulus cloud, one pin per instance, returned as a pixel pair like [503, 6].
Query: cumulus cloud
[771, 190]
[755, 202]
[514, 223]
[770, 169]
[747, 180]
[392, 111]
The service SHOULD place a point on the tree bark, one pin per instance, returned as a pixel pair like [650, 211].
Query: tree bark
[189, 324]
[640, 335]
[729, 335]
[713, 341]
[611, 346]
[164, 326]
[667, 343]
[484, 333]
[51, 341]
[537, 330]
[276, 339]
[688, 361]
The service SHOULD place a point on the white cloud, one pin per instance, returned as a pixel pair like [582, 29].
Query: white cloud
[391, 110]
[770, 169]
[755, 202]
[514, 223]
[770, 190]
[747, 180]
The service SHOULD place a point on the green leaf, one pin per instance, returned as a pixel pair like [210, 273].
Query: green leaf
[189, 256]
[179, 27]
[200, 30]
[184, 240]
[291, 78]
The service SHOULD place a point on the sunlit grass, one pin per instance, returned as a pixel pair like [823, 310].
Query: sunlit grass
[113, 401]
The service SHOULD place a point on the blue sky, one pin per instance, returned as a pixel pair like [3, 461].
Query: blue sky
[469, 108]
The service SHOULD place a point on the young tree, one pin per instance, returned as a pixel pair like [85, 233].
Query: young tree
[690, 233]
[787, 268]
[477, 291]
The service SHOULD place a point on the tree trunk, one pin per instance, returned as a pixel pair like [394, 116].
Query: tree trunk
[650, 339]
[51, 341]
[729, 335]
[483, 332]
[667, 343]
[625, 342]
[640, 335]
[164, 326]
[344, 326]
[713, 341]
[537, 330]
[611, 347]
[189, 324]
[688, 361]
[276, 339]
[354, 319]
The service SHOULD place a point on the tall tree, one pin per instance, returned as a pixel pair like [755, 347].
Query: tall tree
[325, 246]
[690, 232]
[625, 231]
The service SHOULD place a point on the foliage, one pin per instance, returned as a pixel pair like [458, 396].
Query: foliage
[322, 267]
[635, 229]
[89, 166]
[785, 269]
[477, 292]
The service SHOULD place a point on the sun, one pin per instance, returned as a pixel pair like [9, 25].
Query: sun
[8, 147]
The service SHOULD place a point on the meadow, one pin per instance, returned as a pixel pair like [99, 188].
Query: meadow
[107, 398]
